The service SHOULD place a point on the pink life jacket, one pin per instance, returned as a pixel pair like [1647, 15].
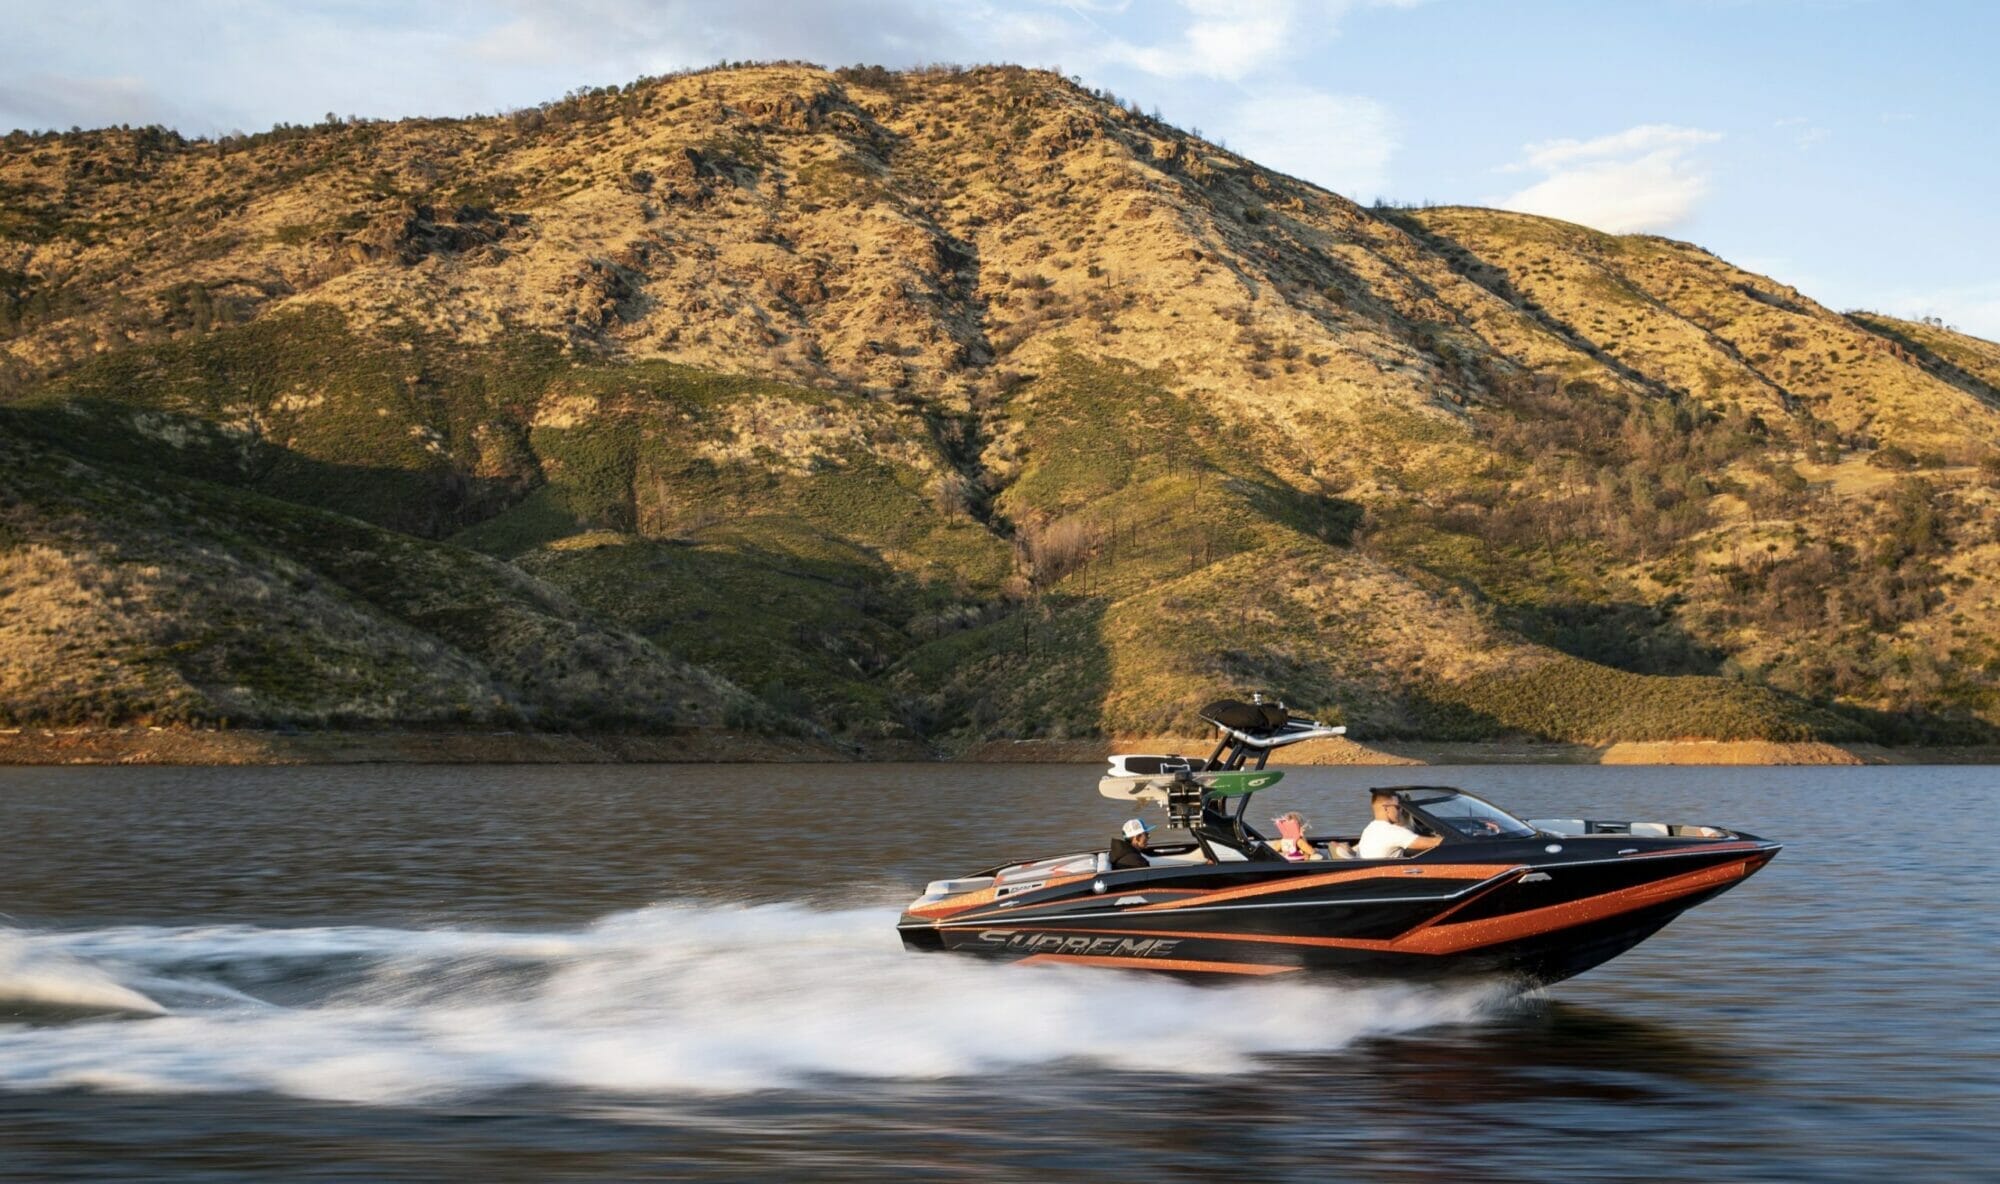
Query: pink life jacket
[1292, 844]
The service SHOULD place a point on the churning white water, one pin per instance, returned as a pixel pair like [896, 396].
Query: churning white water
[40, 982]
[666, 999]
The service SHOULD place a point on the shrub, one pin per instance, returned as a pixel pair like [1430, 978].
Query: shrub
[1053, 550]
[1892, 457]
[879, 77]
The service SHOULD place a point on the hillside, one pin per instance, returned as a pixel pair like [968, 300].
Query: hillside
[948, 405]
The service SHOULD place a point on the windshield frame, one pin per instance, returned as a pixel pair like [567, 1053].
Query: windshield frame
[1416, 797]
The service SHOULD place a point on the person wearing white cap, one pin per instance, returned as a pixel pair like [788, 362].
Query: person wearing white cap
[1129, 848]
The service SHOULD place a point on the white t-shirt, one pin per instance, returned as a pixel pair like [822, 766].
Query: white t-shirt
[1384, 840]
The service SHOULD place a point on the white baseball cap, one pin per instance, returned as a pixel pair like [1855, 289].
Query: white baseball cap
[1134, 827]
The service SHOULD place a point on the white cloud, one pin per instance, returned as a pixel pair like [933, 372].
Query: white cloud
[1236, 40]
[1223, 39]
[1342, 142]
[1645, 138]
[1805, 133]
[1645, 178]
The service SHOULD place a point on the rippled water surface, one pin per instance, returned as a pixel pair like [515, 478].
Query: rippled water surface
[634, 972]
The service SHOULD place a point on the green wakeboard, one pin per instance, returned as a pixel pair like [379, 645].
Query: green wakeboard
[1235, 785]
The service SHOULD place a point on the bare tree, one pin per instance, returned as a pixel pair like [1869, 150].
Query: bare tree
[1052, 550]
[952, 494]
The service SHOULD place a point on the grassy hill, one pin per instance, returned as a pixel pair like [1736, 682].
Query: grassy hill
[947, 405]
[133, 597]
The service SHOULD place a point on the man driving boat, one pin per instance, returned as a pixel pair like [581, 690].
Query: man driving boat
[1386, 837]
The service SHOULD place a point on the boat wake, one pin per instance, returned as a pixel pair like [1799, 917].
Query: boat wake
[666, 999]
[41, 985]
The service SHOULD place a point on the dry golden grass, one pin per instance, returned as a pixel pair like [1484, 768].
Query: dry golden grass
[1012, 320]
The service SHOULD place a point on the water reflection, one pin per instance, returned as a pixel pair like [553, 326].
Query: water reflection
[1567, 1049]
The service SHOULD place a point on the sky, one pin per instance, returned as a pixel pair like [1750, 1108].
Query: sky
[1846, 147]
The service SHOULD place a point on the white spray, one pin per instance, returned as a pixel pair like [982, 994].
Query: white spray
[667, 999]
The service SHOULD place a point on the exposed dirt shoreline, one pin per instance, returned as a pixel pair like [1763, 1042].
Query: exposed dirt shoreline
[1522, 752]
[180, 746]
[174, 746]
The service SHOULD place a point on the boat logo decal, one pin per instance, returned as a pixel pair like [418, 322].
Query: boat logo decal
[1011, 889]
[1064, 943]
[1125, 900]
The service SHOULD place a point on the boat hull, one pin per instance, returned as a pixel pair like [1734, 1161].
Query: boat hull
[1538, 917]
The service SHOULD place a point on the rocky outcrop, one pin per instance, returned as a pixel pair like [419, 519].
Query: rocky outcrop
[414, 232]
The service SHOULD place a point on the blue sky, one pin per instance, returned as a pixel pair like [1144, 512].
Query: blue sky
[1844, 146]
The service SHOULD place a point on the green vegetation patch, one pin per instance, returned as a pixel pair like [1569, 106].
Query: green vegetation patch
[1572, 700]
[186, 601]
[296, 405]
[1037, 670]
[807, 636]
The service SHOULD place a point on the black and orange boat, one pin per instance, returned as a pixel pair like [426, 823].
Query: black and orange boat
[1537, 901]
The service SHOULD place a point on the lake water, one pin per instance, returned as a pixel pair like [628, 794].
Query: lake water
[646, 972]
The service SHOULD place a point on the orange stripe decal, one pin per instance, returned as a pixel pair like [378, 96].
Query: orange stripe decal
[1442, 871]
[1467, 935]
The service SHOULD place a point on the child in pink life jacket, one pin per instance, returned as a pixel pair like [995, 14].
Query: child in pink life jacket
[1292, 842]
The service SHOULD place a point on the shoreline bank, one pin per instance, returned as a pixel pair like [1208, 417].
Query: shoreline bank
[246, 746]
[177, 746]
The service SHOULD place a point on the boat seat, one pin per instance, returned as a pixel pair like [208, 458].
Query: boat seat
[1650, 830]
[1223, 854]
[1328, 848]
[1061, 865]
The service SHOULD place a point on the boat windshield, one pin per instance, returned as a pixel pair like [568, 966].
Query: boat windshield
[1471, 817]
